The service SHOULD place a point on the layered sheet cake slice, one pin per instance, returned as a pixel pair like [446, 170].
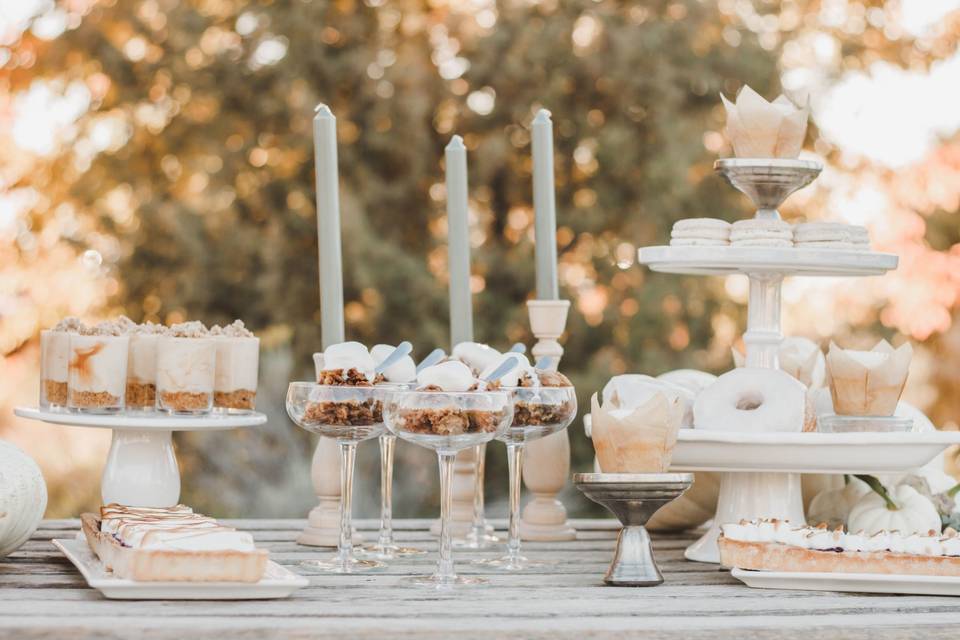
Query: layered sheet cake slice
[171, 544]
[774, 545]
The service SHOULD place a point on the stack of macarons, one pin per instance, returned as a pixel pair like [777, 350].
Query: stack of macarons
[831, 235]
[764, 232]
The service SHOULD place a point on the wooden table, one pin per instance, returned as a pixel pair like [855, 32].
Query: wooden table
[42, 596]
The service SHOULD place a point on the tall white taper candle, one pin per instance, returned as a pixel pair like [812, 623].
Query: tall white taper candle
[458, 243]
[544, 207]
[328, 226]
[323, 522]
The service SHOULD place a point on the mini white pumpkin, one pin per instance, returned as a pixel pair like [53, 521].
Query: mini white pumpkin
[833, 505]
[23, 497]
[907, 511]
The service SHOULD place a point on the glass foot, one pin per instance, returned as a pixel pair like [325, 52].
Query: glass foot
[340, 565]
[508, 563]
[388, 552]
[473, 541]
[443, 583]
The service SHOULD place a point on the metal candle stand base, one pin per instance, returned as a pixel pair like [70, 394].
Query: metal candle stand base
[633, 499]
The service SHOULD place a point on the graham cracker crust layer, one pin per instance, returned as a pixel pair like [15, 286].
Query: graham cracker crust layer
[141, 395]
[93, 399]
[55, 392]
[239, 399]
[185, 401]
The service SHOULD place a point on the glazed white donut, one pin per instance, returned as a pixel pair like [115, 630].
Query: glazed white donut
[753, 400]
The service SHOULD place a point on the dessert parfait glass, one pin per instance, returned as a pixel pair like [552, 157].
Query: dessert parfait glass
[385, 548]
[349, 415]
[538, 412]
[447, 422]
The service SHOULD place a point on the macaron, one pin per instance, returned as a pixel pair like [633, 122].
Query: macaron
[700, 232]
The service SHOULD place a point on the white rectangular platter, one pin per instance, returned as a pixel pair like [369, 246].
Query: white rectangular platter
[277, 582]
[856, 582]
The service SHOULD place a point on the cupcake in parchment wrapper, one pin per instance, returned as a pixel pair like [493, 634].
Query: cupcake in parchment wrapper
[868, 383]
[636, 440]
[760, 129]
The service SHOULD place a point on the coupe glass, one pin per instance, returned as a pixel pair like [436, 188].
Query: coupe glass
[447, 423]
[538, 412]
[349, 415]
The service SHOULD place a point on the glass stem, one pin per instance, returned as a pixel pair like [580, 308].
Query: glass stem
[445, 572]
[348, 456]
[514, 463]
[479, 521]
[387, 444]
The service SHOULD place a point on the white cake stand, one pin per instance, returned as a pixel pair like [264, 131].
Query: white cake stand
[760, 472]
[141, 467]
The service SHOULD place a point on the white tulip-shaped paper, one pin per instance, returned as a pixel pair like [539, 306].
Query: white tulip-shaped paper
[760, 129]
[868, 383]
[637, 439]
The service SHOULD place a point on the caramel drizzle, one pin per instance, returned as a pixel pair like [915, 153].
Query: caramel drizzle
[81, 362]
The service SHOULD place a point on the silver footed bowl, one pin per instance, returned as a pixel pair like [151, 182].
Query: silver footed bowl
[768, 182]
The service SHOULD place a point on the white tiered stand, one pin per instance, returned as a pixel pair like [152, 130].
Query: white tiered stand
[141, 468]
[760, 473]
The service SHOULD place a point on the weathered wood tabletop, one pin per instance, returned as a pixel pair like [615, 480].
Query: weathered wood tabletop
[43, 596]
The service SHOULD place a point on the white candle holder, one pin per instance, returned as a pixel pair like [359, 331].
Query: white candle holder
[546, 464]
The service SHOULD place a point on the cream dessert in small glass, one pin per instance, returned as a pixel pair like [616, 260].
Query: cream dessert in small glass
[97, 377]
[55, 363]
[186, 362]
[142, 365]
[235, 378]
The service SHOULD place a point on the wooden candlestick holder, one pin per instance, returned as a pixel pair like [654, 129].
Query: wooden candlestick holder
[546, 462]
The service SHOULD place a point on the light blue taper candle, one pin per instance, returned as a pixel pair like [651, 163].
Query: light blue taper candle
[458, 243]
[328, 226]
[544, 207]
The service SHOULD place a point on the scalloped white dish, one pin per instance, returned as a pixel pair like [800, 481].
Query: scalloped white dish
[855, 582]
[699, 450]
[277, 582]
[786, 261]
[144, 421]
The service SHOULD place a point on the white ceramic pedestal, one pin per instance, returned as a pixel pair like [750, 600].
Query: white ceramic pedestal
[764, 481]
[141, 468]
[546, 462]
[760, 473]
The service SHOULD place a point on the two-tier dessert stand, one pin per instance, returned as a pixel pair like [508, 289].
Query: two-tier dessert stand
[760, 472]
[141, 468]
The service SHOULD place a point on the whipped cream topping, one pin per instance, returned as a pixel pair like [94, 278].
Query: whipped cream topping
[404, 370]
[452, 376]
[175, 528]
[475, 355]
[512, 378]
[823, 539]
[349, 355]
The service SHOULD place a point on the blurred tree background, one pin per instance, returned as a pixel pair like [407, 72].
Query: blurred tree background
[173, 178]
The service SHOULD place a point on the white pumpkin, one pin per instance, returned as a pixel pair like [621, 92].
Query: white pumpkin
[23, 497]
[833, 505]
[913, 513]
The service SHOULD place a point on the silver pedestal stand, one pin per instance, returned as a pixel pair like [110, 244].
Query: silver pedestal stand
[633, 499]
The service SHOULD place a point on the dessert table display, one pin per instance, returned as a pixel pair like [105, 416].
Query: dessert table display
[756, 442]
[43, 596]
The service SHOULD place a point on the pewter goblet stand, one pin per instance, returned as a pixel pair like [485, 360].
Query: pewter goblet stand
[633, 498]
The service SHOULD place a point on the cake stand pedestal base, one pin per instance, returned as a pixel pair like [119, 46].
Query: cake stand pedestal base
[746, 496]
[141, 469]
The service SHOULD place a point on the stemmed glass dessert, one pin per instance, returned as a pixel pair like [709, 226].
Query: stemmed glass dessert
[544, 402]
[448, 412]
[350, 415]
[396, 371]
